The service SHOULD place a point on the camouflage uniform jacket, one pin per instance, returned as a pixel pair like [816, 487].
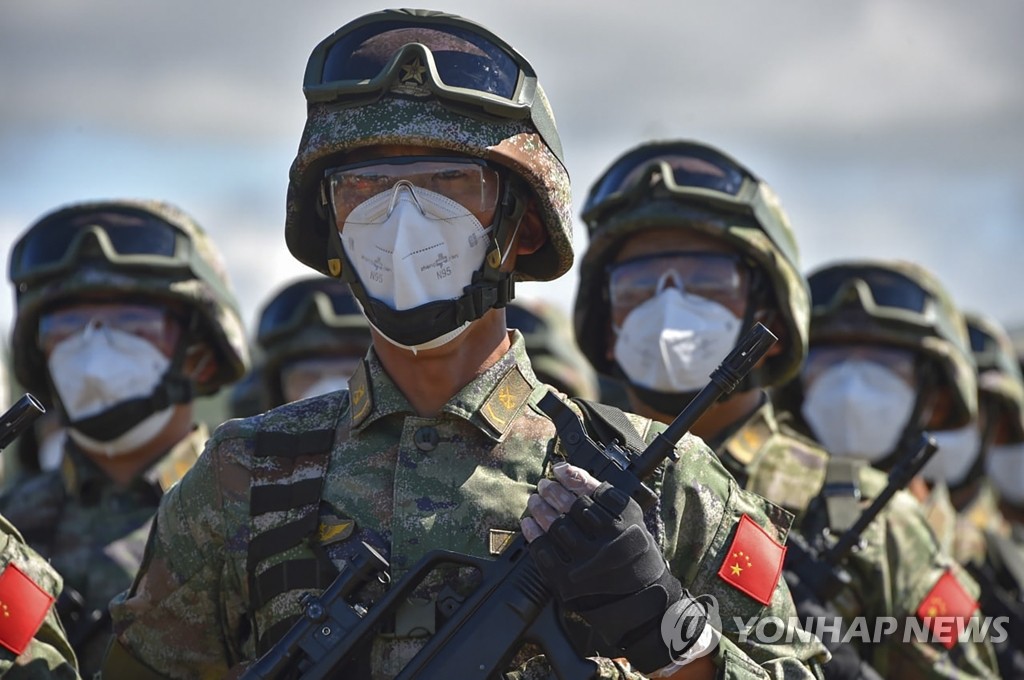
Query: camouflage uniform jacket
[48, 654]
[408, 484]
[92, 531]
[899, 561]
[979, 519]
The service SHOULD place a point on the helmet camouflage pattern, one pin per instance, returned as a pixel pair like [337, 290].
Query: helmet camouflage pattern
[416, 118]
[752, 221]
[999, 373]
[547, 333]
[197, 280]
[846, 310]
[313, 316]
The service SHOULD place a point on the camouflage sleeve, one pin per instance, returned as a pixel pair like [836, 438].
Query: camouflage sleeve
[185, 614]
[898, 566]
[48, 654]
[702, 510]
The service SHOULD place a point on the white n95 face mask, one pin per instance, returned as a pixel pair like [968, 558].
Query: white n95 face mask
[102, 367]
[858, 409]
[1004, 465]
[411, 246]
[958, 449]
[673, 341]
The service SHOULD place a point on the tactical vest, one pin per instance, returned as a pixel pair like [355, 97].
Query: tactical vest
[287, 482]
[286, 487]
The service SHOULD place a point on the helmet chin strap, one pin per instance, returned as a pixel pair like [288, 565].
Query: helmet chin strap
[490, 287]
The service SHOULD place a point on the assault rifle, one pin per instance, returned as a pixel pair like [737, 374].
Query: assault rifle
[818, 565]
[512, 604]
[17, 418]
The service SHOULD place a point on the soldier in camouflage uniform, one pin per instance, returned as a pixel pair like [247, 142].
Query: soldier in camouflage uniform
[969, 510]
[33, 645]
[309, 339]
[418, 119]
[687, 249]
[984, 539]
[888, 359]
[556, 360]
[124, 315]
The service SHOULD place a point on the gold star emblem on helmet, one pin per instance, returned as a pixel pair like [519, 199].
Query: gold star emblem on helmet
[413, 72]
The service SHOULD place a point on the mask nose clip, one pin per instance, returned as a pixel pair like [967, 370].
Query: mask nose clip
[669, 276]
[410, 189]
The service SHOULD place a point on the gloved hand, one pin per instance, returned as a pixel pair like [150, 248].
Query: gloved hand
[591, 545]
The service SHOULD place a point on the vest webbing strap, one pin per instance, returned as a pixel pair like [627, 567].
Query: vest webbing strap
[279, 497]
[281, 538]
[300, 574]
[274, 488]
[293, 444]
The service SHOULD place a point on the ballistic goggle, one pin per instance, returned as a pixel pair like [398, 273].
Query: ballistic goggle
[466, 67]
[690, 173]
[877, 291]
[125, 239]
[328, 301]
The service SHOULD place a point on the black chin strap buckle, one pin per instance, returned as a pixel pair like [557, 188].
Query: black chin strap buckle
[480, 296]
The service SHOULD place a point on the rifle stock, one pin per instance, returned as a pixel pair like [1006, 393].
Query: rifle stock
[512, 604]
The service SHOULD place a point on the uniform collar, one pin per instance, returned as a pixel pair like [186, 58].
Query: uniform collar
[490, 401]
[740, 445]
[83, 479]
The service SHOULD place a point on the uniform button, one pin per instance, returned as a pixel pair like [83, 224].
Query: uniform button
[426, 439]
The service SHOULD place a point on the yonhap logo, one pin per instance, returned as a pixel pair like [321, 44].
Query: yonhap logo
[681, 627]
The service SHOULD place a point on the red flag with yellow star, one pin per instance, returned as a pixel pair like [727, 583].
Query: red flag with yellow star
[946, 608]
[23, 606]
[754, 561]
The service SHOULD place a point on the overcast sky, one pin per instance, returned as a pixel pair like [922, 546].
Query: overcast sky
[889, 128]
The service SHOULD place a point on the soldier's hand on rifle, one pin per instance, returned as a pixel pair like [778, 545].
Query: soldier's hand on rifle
[591, 545]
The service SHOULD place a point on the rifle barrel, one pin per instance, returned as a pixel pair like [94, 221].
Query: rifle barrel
[18, 417]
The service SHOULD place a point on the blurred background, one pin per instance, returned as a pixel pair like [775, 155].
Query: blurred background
[889, 128]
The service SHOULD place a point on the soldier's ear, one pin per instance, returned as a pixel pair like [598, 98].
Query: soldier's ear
[531, 232]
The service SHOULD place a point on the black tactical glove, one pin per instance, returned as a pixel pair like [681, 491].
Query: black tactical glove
[603, 564]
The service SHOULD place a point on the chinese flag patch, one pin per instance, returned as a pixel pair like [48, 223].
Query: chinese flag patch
[23, 606]
[946, 608]
[754, 561]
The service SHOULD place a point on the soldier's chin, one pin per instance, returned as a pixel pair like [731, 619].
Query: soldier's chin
[667, 403]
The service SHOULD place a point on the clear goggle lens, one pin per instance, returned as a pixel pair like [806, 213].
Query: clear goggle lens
[152, 323]
[469, 182]
[720, 277]
[901, 361]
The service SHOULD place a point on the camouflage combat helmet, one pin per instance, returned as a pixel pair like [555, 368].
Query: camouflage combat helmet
[690, 185]
[66, 255]
[547, 333]
[312, 316]
[899, 304]
[403, 95]
[999, 375]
